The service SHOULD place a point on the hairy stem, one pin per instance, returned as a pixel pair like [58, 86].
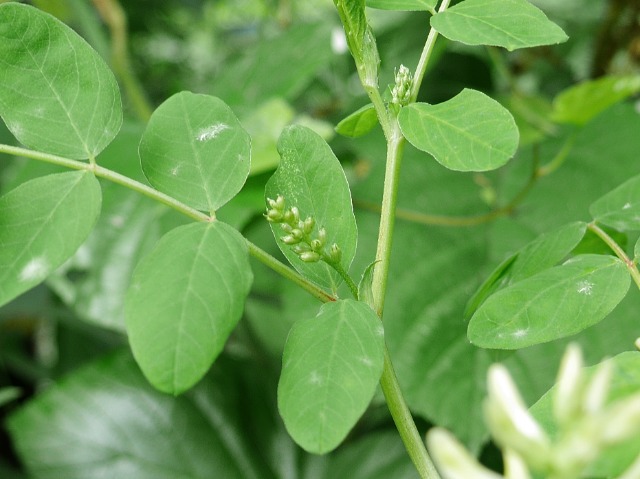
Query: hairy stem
[171, 202]
[615, 247]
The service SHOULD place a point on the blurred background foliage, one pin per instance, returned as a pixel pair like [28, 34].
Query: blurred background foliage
[72, 402]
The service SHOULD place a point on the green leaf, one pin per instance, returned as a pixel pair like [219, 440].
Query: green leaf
[620, 208]
[470, 132]
[311, 178]
[195, 150]
[8, 394]
[543, 252]
[359, 123]
[104, 419]
[365, 286]
[624, 383]
[510, 24]
[636, 251]
[553, 304]
[264, 125]
[186, 297]
[354, 19]
[56, 94]
[411, 5]
[42, 224]
[581, 103]
[330, 369]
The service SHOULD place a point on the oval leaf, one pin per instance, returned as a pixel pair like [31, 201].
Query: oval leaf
[195, 150]
[359, 123]
[56, 94]
[409, 5]
[504, 23]
[186, 297]
[620, 208]
[543, 252]
[470, 132]
[553, 304]
[42, 224]
[311, 178]
[331, 366]
[580, 103]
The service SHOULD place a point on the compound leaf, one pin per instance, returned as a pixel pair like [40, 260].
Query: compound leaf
[470, 132]
[553, 304]
[620, 208]
[331, 367]
[42, 224]
[195, 150]
[186, 297]
[311, 178]
[510, 24]
[56, 94]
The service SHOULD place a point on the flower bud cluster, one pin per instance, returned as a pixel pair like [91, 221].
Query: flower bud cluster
[586, 425]
[401, 92]
[310, 245]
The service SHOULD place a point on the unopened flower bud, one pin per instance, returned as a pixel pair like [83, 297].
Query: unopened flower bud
[289, 218]
[335, 253]
[316, 245]
[308, 225]
[292, 238]
[274, 216]
[453, 460]
[296, 214]
[310, 257]
[401, 92]
[286, 227]
[510, 422]
[301, 248]
[567, 402]
[322, 236]
[597, 390]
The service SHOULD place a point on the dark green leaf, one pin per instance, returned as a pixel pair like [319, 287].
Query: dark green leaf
[56, 93]
[42, 224]
[105, 421]
[470, 132]
[331, 366]
[359, 123]
[580, 103]
[620, 208]
[553, 304]
[195, 150]
[510, 24]
[429, 5]
[186, 297]
[311, 178]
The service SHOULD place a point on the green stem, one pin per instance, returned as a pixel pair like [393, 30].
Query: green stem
[615, 247]
[171, 202]
[404, 421]
[114, 16]
[560, 157]
[424, 57]
[395, 147]
[345, 276]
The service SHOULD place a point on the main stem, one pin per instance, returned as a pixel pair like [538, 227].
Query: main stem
[615, 247]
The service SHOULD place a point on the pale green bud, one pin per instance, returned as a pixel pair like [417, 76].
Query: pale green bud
[310, 257]
[274, 216]
[335, 253]
[308, 225]
[301, 248]
[322, 236]
[597, 390]
[287, 228]
[567, 401]
[514, 466]
[292, 238]
[295, 212]
[452, 459]
[511, 424]
[316, 245]
[621, 420]
[401, 92]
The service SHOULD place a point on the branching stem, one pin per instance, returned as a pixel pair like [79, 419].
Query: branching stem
[615, 247]
[171, 202]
